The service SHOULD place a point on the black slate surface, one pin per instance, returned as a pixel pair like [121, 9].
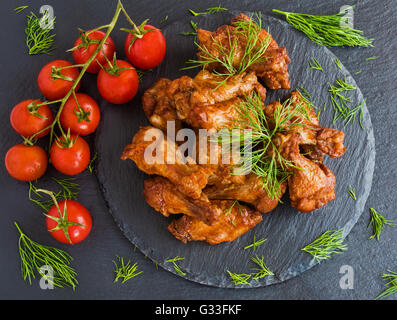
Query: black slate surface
[285, 229]
[93, 258]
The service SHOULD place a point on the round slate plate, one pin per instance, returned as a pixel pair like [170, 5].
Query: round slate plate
[286, 230]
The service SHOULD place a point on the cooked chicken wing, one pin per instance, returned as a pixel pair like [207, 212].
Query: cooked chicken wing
[167, 161]
[251, 191]
[164, 196]
[233, 222]
[311, 185]
[273, 67]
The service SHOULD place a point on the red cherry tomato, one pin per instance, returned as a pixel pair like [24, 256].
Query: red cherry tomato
[148, 51]
[82, 119]
[26, 163]
[53, 87]
[118, 86]
[27, 119]
[86, 46]
[72, 227]
[70, 156]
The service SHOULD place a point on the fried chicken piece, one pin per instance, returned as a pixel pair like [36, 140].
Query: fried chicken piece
[273, 69]
[203, 102]
[232, 223]
[158, 106]
[168, 161]
[164, 197]
[311, 185]
[251, 191]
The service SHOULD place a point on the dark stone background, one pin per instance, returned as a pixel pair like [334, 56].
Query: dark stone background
[93, 257]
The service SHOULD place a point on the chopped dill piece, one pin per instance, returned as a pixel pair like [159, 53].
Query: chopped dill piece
[141, 73]
[92, 162]
[20, 9]
[255, 243]
[208, 10]
[125, 271]
[391, 279]
[325, 245]
[176, 267]
[314, 64]
[305, 92]
[358, 72]
[352, 193]
[337, 62]
[378, 222]
[194, 26]
[164, 19]
[371, 58]
[326, 30]
[260, 272]
[34, 255]
[39, 40]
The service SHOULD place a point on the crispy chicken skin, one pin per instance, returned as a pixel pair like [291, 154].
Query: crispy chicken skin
[230, 226]
[251, 191]
[202, 102]
[312, 185]
[273, 70]
[158, 106]
[164, 197]
[187, 175]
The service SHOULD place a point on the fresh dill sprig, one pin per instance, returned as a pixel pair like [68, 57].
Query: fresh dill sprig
[337, 62]
[39, 40]
[260, 272]
[326, 30]
[92, 161]
[378, 222]
[164, 19]
[391, 279]
[304, 92]
[255, 243]
[208, 11]
[352, 193]
[194, 27]
[255, 48]
[69, 191]
[325, 245]
[176, 267]
[20, 9]
[34, 255]
[314, 64]
[266, 160]
[125, 271]
[371, 58]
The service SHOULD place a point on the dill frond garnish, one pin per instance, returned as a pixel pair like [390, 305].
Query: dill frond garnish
[326, 30]
[69, 191]
[358, 72]
[378, 222]
[92, 161]
[39, 40]
[391, 279]
[255, 243]
[255, 48]
[340, 103]
[20, 9]
[352, 193]
[176, 267]
[34, 256]
[260, 272]
[194, 27]
[208, 11]
[164, 19]
[266, 160]
[125, 271]
[324, 246]
[371, 58]
[314, 64]
[337, 62]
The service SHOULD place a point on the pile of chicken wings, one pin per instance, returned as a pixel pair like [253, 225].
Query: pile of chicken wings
[214, 204]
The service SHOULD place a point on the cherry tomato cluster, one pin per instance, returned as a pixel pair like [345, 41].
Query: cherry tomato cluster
[117, 83]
